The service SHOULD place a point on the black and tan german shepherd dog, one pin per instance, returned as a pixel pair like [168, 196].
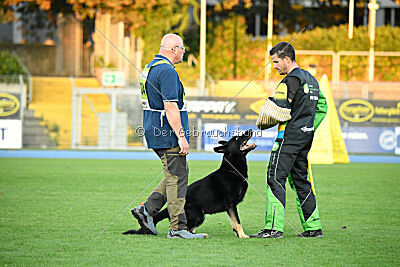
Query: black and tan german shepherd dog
[219, 191]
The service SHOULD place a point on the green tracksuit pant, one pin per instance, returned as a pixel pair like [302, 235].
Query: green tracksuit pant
[293, 165]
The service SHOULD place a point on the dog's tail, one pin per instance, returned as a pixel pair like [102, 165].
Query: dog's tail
[135, 232]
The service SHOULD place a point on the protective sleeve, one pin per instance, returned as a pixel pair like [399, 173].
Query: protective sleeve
[169, 84]
[271, 114]
[322, 109]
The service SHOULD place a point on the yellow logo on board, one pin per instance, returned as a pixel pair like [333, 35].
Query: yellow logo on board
[9, 104]
[256, 106]
[356, 110]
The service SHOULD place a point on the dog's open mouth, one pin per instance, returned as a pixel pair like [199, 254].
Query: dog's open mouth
[244, 146]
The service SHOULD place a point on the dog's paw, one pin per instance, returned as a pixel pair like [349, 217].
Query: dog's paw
[243, 236]
[205, 235]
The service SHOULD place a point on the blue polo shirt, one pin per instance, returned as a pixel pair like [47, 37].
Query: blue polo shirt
[166, 81]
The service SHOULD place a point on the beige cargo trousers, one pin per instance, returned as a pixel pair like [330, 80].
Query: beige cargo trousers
[172, 189]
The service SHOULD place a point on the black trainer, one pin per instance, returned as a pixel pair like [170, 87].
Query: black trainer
[268, 233]
[144, 219]
[311, 233]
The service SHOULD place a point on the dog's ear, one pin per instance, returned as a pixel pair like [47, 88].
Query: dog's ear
[222, 142]
[219, 149]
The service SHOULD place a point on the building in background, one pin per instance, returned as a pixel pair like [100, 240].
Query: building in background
[68, 46]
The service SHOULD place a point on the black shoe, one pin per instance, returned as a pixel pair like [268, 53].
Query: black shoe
[144, 219]
[267, 233]
[311, 233]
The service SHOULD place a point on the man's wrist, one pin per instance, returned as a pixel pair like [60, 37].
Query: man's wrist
[180, 133]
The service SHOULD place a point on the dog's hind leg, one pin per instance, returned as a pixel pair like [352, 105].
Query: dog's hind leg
[193, 230]
[195, 217]
[236, 226]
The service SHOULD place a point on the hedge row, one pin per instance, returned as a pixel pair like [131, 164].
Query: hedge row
[233, 54]
[354, 68]
[9, 65]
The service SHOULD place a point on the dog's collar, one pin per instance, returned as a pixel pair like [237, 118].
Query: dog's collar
[235, 171]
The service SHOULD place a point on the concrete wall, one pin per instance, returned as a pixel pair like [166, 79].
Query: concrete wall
[40, 59]
[70, 48]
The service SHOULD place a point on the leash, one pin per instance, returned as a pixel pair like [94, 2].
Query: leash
[134, 199]
[255, 76]
[122, 54]
[178, 109]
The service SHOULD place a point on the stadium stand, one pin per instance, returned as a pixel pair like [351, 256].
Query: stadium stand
[52, 101]
[228, 88]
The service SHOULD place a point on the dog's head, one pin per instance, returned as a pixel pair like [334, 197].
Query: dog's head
[237, 144]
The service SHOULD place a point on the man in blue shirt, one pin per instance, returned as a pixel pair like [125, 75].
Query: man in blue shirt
[166, 124]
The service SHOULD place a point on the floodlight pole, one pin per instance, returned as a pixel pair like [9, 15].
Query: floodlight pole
[351, 18]
[107, 44]
[203, 47]
[268, 69]
[372, 6]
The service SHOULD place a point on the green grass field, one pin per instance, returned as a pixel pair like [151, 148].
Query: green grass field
[52, 209]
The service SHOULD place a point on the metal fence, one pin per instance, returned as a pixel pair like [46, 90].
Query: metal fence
[27, 78]
[336, 56]
[106, 119]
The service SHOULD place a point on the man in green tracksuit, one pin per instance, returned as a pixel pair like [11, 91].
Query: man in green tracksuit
[298, 91]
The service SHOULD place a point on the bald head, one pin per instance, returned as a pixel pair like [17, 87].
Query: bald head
[172, 47]
[170, 40]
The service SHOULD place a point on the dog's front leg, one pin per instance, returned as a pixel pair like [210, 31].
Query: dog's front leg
[236, 226]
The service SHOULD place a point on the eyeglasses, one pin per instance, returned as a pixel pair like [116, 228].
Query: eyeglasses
[181, 47]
